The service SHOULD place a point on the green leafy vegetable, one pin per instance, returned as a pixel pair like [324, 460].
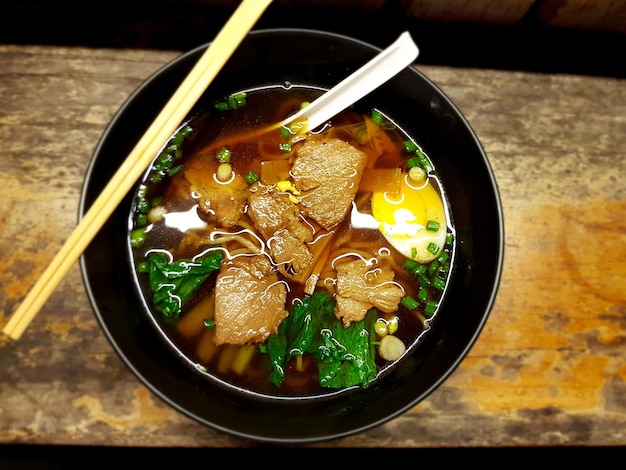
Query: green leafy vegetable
[352, 361]
[345, 356]
[173, 282]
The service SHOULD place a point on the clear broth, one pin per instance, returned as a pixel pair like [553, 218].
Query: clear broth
[210, 127]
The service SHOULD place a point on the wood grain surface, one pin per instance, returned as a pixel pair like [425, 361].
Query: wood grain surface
[548, 369]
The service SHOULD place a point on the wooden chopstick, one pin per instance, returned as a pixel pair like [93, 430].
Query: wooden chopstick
[163, 127]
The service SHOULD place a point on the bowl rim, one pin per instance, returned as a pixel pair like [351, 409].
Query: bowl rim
[499, 231]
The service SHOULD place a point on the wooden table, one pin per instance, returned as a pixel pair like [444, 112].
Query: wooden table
[549, 368]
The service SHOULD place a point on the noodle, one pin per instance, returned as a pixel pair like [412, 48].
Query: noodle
[225, 238]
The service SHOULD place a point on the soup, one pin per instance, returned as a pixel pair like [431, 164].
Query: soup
[289, 263]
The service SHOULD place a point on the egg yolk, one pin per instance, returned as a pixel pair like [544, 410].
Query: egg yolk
[413, 220]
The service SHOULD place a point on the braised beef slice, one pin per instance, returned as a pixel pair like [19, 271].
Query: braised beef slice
[249, 302]
[279, 222]
[328, 172]
[350, 310]
[224, 205]
[361, 286]
[221, 203]
[289, 253]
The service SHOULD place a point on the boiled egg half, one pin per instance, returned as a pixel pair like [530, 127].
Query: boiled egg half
[413, 219]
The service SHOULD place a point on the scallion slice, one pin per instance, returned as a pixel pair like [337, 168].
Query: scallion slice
[430, 308]
[410, 303]
[251, 177]
[432, 225]
[433, 248]
[410, 146]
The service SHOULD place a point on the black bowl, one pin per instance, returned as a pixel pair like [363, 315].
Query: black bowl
[321, 59]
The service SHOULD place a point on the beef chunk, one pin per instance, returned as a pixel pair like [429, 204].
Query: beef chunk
[218, 202]
[289, 253]
[224, 205]
[279, 222]
[361, 286]
[328, 172]
[350, 310]
[249, 302]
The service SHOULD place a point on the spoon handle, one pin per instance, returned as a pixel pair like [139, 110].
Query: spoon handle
[370, 76]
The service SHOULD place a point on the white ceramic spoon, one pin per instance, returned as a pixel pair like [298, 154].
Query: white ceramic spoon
[373, 74]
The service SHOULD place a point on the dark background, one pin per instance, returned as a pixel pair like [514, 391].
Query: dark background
[184, 24]
[83, 458]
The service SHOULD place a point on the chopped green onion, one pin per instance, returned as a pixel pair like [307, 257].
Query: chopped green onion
[410, 303]
[285, 147]
[181, 134]
[141, 220]
[433, 267]
[380, 327]
[208, 323]
[432, 225]
[410, 264]
[175, 151]
[223, 155]
[156, 201]
[449, 238]
[164, 161]
[442, 272]
[285, 131]
[233, 101]
[418, 175]
[443, 258]
[423, 280]
[251, 177]
[143, 267]
[143, 205]
[425, 162]
[433, 248]
[137, 237]
[422, 295]
[176, 169]
[392, 324]
[412, 163]
[414, 267]
[377, 117]
[224, 172]
[410, 146]
[430, 308]
[438, 283]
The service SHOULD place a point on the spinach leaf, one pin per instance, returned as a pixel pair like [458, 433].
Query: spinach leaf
[355, 364]
[345, 356]
[295, 333]
[173, 282]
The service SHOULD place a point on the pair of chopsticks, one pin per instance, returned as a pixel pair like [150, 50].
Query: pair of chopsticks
[163, 127]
